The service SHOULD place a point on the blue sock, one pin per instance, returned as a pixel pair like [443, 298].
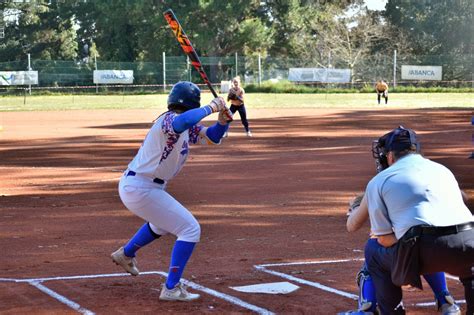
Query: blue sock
[437, 282]
[366, 290]
[143, 237]
[181, 252]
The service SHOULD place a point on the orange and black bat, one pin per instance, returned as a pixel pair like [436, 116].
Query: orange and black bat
[187, 47]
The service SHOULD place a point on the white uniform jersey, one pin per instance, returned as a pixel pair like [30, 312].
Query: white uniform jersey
[164, 152]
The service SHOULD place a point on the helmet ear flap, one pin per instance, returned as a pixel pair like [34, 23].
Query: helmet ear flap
[177, 108]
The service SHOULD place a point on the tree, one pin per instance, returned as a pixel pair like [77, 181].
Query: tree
[434, 27]
[437, 32]
[352, 39]
[39, 29]
[328, 34]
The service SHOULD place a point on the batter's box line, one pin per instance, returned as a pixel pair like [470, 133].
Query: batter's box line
[37, 283]
[264, 268]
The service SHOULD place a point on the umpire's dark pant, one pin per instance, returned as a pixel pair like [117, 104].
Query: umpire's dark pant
[242, 113]
[435, 249]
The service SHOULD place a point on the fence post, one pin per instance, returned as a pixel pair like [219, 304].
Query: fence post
[259, 69]
[164, 72]
[395, 68]
[189, 69]
[472, 137]
[95, 64]
[29, 69]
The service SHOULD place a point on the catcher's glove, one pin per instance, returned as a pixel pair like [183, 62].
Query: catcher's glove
[233, 96]
[354, 203]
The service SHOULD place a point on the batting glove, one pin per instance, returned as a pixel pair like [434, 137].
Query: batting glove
[218, 104]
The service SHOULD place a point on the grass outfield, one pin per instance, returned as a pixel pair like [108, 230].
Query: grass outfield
[257, 100]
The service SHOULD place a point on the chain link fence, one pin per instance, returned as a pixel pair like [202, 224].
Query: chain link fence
[62, 75]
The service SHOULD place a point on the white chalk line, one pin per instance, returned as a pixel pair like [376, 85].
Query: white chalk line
[36, 282]
[310, 283]
[61, 298]
[311, 262]
[228, 298]
[75, 277]
[320, 286]
[426, 304]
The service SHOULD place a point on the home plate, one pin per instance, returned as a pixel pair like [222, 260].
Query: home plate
[268, 288]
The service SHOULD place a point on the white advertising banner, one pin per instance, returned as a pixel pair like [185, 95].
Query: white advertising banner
[113, 76]
[225, 86]
[18, 77]
[319, 75]
[422, 73]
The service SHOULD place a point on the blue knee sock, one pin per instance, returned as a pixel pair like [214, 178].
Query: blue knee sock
[366, 290]
[368, 293]
[181, 252]
[143, 237]
[437, 282]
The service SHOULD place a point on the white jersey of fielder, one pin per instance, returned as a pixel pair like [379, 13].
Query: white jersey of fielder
[164, 152]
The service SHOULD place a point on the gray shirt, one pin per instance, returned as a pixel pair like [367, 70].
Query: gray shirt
[414, 191]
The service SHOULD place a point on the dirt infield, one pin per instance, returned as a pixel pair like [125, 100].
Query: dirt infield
[277, 198]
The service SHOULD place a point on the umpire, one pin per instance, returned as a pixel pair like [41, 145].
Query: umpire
[422, 225]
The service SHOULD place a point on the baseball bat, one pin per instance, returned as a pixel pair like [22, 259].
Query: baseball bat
[188, 49]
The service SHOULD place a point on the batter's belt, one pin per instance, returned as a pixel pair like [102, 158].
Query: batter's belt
[155, 180]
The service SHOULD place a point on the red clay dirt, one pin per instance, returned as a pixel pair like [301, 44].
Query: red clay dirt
[278, 197]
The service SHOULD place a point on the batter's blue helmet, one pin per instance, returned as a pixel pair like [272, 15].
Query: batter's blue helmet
[184, 95]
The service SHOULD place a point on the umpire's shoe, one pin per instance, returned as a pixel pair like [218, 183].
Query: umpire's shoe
[178, 293]
[127, 263]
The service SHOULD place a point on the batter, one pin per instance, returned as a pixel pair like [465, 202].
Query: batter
[142, 187]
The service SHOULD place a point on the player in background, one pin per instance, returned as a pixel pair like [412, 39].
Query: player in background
[382, 90]
[236, 97]
[142, 187]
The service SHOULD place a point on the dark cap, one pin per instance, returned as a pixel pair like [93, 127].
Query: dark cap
[399, 139]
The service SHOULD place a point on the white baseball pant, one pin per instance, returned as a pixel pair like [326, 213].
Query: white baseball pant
[151, 202]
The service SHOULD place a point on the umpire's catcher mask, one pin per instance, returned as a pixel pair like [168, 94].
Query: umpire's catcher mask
[397, 140]
[184, 95]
